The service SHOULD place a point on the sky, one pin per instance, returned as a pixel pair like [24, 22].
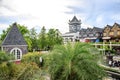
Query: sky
[57, 13]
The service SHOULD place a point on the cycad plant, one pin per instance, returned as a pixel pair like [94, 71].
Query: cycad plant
[78, 61]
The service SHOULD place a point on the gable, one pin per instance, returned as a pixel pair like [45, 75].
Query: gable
[114, 28]
[106, 29]
[14, 37]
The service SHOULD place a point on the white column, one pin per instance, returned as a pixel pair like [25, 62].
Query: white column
[110, 46]
[2, 48]
[103, 48]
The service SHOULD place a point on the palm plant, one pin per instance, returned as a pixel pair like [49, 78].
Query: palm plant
[75, 62]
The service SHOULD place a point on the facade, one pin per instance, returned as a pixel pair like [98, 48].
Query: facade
[83, 35]
[111, 33]
[72, 37]
[90, 34]
[14, 43]
[74, 28]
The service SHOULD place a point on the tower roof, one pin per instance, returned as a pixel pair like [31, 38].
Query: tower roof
[74, 19]
[14, 37]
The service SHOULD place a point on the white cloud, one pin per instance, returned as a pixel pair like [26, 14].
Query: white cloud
[86, 26]
[53, 13]
[3, 27]
[48, 13]
[99, 20]
[115, 17]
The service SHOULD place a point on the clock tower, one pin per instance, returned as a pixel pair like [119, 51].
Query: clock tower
[74, 25]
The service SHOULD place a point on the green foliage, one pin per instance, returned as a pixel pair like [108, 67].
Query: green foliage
[23, 29]
[75, 62]
[3, 57]
[33, 37]
[54, 37]
[29, 72]
[23, 71]
[29, 42]
[31, 57]
[48, 40]
[42, 39]
[4, 33]
[25, 32]
[11, 71]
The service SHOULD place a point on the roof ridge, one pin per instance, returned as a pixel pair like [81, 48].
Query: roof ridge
[74, 18]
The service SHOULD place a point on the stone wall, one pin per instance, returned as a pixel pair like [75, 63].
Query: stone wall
[9, 48]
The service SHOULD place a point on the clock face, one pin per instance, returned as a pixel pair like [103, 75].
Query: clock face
[73, 28]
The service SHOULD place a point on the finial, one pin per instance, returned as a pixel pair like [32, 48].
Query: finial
[14, 23]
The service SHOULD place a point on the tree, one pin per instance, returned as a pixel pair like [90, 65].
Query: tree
[4, 33]
[42, 39]
[58, 37]
[74, 62]
[33, 37]
[51, 37]
[54, 37]
[25, 32]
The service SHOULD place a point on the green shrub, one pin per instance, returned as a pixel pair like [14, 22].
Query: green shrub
[3, 57]
[33, 57]
[30, 72]
[4, 72]
[12, 71]
[77, 61]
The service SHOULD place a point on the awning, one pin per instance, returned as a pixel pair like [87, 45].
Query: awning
[106, 37]
[97, 40]
[82, 40]
[91, 38]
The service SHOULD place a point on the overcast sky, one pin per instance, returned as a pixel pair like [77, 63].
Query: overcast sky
[57, 13]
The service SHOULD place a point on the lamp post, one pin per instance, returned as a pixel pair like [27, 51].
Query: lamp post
[103, 48]
[41, 61]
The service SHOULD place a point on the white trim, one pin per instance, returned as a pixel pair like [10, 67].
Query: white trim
[16, 53]
[106, 37]
[1, 48]
[12, 45]
[91, 38]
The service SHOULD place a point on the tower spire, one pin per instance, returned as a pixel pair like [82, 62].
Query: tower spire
[74, 25]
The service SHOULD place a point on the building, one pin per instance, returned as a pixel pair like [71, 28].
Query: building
[111, 33]
[74, 28]
[14, 43]
[74, 25]
[90, 34]
[83, 35]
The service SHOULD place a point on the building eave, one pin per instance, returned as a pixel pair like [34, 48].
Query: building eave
[12, 45]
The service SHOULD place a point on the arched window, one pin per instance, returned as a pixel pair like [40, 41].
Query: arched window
[17, 53]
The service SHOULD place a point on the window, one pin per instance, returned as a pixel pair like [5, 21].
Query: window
[111, 33]
[91, 35]
[17, 53]
[104, 34]
[84, 35]
[118, 33]
[96, 34]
